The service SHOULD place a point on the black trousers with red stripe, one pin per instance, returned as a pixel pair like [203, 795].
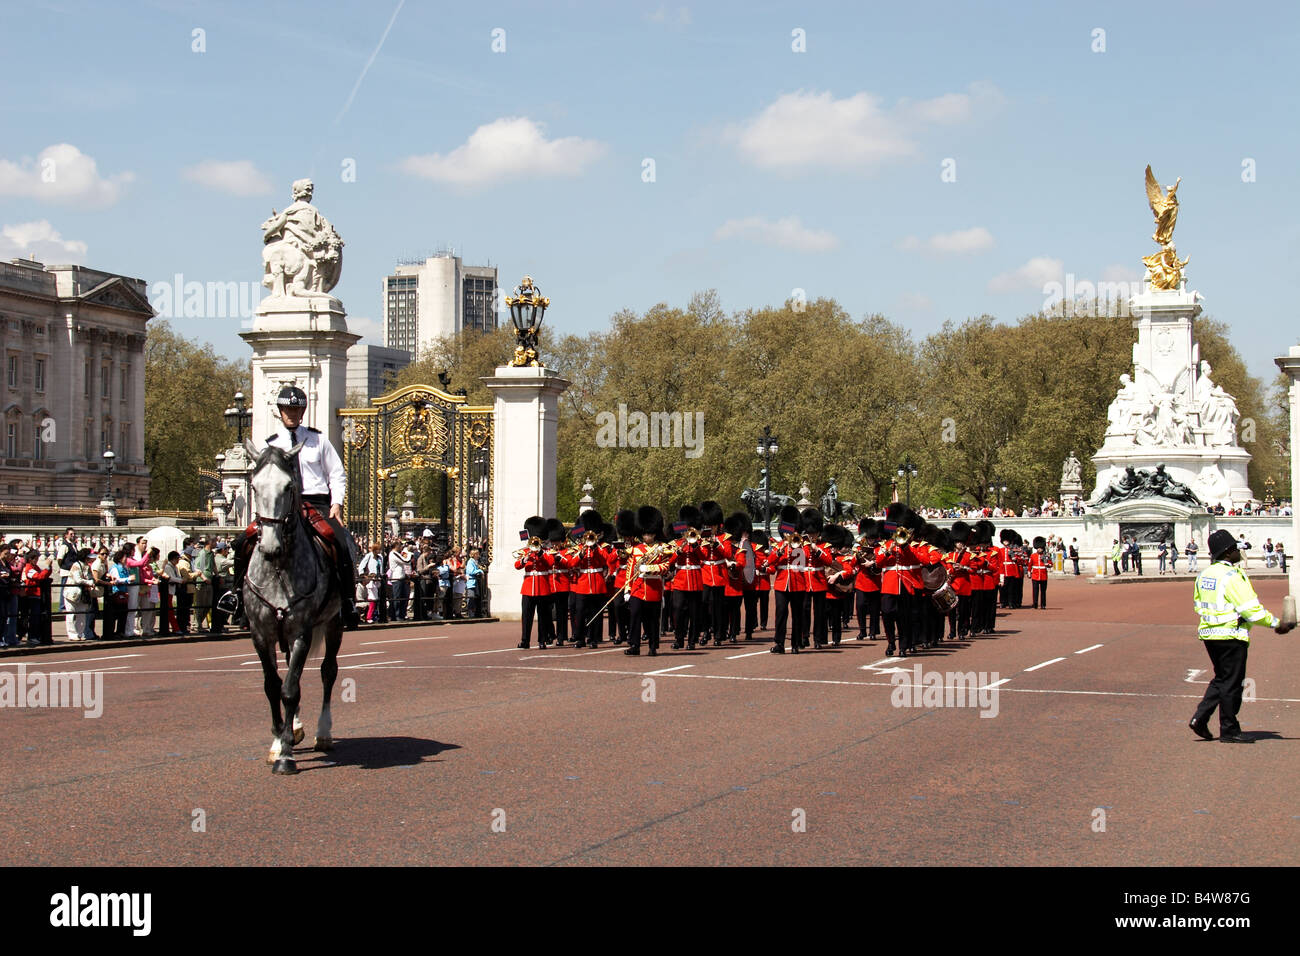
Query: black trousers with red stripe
[541, 607]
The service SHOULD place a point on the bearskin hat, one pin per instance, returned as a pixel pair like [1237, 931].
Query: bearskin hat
[1040, 543]
[789, 520]
[591, 520]
[895, 511]
[811, 521]
[737, 524]
[555, 529]
[914, 521]
[710, 514]
[837, 536]
[870, 527]
[534, 527]
[650, 521]
[608, 533]
[688, 516]
[960, 532]
[758, 538]
[625, 523]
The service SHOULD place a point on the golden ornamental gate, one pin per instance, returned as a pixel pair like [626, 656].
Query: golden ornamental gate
[416, 428]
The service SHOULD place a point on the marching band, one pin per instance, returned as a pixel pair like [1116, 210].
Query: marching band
[899, 575]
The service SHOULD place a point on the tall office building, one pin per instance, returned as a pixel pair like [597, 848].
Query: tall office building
[440, 296]
[74, 342]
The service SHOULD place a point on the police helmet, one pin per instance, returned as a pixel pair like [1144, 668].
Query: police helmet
[291, 396]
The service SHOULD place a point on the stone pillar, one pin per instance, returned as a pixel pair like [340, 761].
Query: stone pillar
[525, 416]
[408, 505]
[235, 471]
[1290, 364]
[108, 512]
[304, 341]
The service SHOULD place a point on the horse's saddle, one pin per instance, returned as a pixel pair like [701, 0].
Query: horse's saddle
[319, 526]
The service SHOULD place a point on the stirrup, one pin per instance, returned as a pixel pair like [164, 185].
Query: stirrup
[229, 602]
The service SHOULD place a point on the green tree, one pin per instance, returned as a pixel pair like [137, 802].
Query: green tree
[187, 388]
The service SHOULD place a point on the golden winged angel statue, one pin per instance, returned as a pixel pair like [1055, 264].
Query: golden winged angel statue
[1165, 207]
[1164, 268]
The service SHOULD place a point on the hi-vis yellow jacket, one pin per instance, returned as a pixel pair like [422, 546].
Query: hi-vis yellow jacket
[1227, 604]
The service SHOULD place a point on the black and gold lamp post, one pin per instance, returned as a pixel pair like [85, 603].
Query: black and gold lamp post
[527, 309]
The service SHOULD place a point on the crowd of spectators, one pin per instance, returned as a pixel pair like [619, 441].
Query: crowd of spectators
[420, 576]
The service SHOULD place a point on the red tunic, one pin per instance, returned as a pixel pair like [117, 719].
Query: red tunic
[689, 558]
[536, 566]
[788, 576]
[591, 566]
[762, 576]
[1038, 567]
[714, 561]
[649, 584]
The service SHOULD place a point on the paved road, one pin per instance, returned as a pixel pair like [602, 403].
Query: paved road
[459, 748]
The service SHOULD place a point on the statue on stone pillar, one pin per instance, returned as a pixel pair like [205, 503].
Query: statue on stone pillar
[302, 252]
[1219, 414]
[1071, 472]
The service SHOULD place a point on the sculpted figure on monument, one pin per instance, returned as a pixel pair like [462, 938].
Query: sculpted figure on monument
[302, 253]
[1072, 471]
[1218, 409]
[1121, 409]
[1124, 488]
[1163, 417]
[1160, 483]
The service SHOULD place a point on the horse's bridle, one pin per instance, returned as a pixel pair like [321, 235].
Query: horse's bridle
[289, 523]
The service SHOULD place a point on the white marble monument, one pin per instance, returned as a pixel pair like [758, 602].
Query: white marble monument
[300, 333]
[1170, 411]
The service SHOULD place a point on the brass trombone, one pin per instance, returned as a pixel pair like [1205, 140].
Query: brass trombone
[534, 544]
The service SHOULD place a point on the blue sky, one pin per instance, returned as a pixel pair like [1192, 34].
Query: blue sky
[774, 170]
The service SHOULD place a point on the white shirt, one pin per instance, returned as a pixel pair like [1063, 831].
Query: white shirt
[319, 464]
[399, 565]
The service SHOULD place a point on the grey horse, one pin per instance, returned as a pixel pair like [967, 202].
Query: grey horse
[291, 602]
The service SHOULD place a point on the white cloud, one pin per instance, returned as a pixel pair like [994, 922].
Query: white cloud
[681, 18]
[509, 148]
[238, 177]
[61, 173]
[787, 233]
[370, 330]
[810, 129]
[1032, 276]
[916, 302]
[960, 242]
[39, 240]
[1119, 273]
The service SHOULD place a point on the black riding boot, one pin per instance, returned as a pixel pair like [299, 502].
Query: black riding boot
[347, 581]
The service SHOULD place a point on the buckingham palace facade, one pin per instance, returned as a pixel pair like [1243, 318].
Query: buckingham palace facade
[74, 341]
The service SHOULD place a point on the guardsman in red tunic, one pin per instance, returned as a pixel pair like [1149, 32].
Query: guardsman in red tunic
[959, 562]
[554, 544]
[811, 524]
[647, 560]
[866, 586]
[989, 567]
[688, 579]
[1038, 568]
[898, 566]
[730, 544]
[625, 525]
[839, 574]
[713, 564]
[789, 559]
[1022, 562]
[756, 599]
[592, 563]
[536, 588]
[929, 550]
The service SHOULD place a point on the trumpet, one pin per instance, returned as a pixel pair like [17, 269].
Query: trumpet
[534, 544]
[903, 536]
[795, 540]
[692, 536]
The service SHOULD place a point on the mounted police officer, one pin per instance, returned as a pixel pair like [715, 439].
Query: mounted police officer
[323, 483]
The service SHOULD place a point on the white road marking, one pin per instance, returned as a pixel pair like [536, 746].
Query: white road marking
[669, 670]
[1191, 676]
[736, 657]
[357, 654]
[352, 667]
[403, 640]
[561, 657]
[228, 657]
[70, 660]
[503, 650]
[1044, 664]
[996, 683]
[1087, 649]
[884, 660]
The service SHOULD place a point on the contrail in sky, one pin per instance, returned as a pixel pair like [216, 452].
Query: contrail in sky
[365, 69]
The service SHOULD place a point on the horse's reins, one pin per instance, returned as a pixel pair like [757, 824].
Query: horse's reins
[281, 611]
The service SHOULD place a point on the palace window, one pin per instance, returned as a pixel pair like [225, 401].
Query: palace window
[105, 380]
[13, 371]
[38, 446]
[11, 440]
[38, 368]
[89, 375]
[126, 378]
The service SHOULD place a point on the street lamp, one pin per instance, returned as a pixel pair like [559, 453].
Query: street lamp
[239, 417]
[767, 447]
[527, 309]
[999, 489]
[108, 469]
[908, 470]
